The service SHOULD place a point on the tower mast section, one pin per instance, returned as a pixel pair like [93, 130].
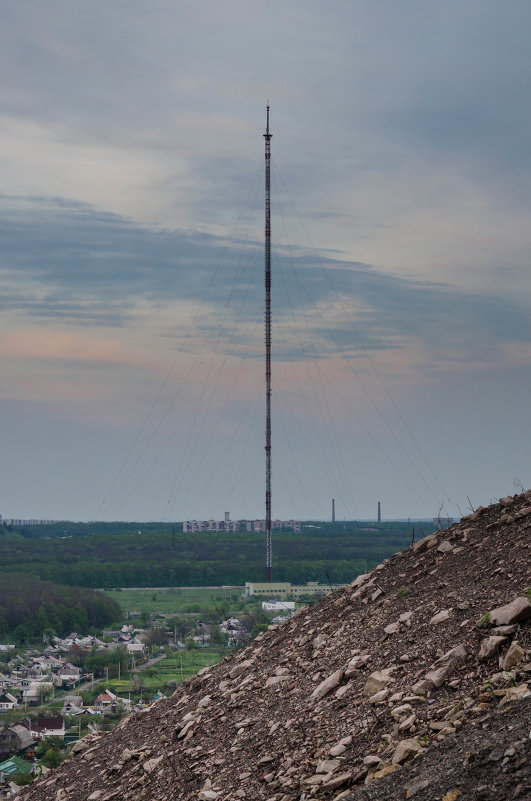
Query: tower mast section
[269, 549]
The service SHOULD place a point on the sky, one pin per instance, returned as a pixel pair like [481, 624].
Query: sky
[131, 257]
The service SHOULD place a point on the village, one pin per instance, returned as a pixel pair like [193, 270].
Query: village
[52, 696]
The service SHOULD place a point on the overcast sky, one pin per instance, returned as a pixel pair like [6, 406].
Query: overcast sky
[131, 259]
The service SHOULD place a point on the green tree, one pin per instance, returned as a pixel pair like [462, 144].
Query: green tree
[21, 635]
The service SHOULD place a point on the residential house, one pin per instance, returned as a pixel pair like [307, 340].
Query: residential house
[32, 691]
[14, 766]
[8, 701]
[135, 647]
[15, 739]
[118, 705]
[67, 677]
[46, 726]
[103, 700]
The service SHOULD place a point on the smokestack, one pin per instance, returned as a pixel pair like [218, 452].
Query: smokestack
[333, 510]
[379, 512]
[227, 517]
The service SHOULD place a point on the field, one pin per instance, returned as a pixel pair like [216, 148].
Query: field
[176, 667]
[173, 600]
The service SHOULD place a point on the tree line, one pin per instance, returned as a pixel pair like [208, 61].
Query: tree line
[160, 556]
[30, 607]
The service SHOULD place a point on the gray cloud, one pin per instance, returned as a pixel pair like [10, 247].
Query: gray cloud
[94, 267]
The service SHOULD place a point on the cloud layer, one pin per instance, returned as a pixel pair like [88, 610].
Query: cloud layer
[131, 286]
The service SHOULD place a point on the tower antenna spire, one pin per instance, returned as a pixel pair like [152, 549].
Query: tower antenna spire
[269, 549]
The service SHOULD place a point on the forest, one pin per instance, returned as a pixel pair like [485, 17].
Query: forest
[144, 555]
[29, 607]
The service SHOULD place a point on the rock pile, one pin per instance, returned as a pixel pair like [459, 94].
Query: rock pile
[413, 682]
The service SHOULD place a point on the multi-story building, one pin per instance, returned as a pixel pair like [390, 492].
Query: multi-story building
[194, 526]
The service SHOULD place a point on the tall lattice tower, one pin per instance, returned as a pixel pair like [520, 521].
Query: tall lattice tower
[269, 548]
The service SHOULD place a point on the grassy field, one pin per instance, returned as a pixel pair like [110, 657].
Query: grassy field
[176, 667]
[172, 600]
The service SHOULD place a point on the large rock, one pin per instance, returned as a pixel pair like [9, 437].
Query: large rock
[445, 666]
[328, 684]
[440, 617]
[421, 545]
[490, 646]
[406, 749]
[515, 612]
[513, 657]
[357, 662]
[237, 670]
[378, 681]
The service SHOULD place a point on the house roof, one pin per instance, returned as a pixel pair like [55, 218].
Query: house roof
[46, 723]
[15, 765]
[106, 696]
[24, 736]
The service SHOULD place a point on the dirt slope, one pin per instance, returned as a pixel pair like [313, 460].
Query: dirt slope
[387, 689]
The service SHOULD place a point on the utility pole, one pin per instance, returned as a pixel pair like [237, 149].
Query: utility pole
[333, 510]
[269, 548]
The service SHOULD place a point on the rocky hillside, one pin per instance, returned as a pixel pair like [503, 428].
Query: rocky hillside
[413, 682]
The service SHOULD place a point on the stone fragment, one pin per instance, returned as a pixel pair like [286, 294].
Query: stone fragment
[513, 657]
[205, 701]
[359, 580]
[515, 612]
[422, 687]
[328, 684]
[477, 514]
[95, 795]
[327, 766]
[507, 501]
[490, 646]
[421, 545]
[273, 680]
[505, 630]
[338, 749]
[408, 722]
[396, 698]
[445, 547]
[81, 745]
[379, 697]
[340, 692]
[336, 781]
[378, 681]
[416, 787]
[237, 670]
[385, 771]
[440, 617]
[392, 628]
[515, 694]
[405, 616]
[446, 665]
[376, 594]
[357, 662]
[400, 711]
[523, 513]
[371, 759]
[405, 750]
[150, 765]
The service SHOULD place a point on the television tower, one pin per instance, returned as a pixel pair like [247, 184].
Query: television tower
[269, 549]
